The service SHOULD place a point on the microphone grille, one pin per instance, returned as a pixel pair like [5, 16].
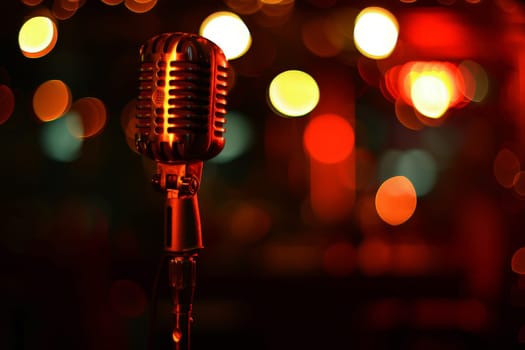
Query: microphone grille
[181, 104]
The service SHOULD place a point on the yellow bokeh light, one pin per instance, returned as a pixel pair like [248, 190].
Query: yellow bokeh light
[37, 36]
[431, 94]
[229, 32]
[293, 93]
[375, 32]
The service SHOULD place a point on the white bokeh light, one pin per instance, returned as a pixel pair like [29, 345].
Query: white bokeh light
[375, 32]
[229, 32]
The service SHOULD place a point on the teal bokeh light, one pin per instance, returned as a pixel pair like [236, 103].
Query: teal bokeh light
[58, 142]
[418, 165]
[239, 136]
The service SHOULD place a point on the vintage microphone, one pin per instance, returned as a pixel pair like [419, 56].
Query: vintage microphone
[180, 119]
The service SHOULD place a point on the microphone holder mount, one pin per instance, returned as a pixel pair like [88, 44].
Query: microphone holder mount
[182, 239]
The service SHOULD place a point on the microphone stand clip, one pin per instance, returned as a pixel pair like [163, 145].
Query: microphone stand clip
[182, 239]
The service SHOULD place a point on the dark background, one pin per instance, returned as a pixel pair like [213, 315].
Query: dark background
[80, 242]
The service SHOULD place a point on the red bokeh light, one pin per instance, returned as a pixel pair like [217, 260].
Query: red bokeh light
[329, 138]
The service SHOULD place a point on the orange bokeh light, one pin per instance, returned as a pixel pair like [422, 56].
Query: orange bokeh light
[519, 184]
[374, 256]
[323, 37]
[407, 116]
[244, 7]
[518, 261]
[92, 113]
[505, 167]
[64, 9]
[249, 223]
[32, 2]
[339, 259]
[139, 6]
[329, 138]
[396, 200]
[51, 100]
[112, 2]
[7, 101]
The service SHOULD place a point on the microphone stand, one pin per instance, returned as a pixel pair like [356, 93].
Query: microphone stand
[182, 240]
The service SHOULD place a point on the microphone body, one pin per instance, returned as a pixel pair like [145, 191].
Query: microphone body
[181, 110]
[180, 120]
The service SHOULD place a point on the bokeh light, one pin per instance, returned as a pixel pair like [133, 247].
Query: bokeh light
[323, 36]
[112, 2]
[293, 93]
[57, 141]
[51, 100]
[476, 79]
[374, 256]
[505, 167]
[431, 87]
[139, 6]
[244, 7]
[519, 184]
[396, 200]
[229, 32]
[274, 13]
[420, 167]
[239, 137]
[249, 222]
[64, 9]
[7, 103]
[92, 114]
[339, 259]
[518, 261]
[329, 138]
[388, 164]
[375, 32]
[430, 95]
[37, 37]
[32, 2]
[411, 258]
[128, 123]
[407, 116]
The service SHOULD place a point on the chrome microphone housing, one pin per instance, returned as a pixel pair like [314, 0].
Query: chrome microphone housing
[181, 104]
[180, 123]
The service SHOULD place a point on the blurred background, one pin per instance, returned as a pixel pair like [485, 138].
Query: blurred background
[370, 195]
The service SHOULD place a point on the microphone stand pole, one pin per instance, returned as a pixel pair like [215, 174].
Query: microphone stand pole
[182, 240]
